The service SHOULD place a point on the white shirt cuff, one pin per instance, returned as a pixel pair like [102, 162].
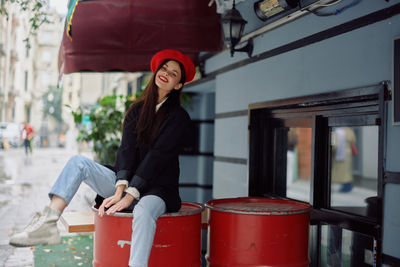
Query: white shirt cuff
[122, 182]
[133, 191]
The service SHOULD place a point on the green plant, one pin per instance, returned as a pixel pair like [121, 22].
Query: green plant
[101, 124]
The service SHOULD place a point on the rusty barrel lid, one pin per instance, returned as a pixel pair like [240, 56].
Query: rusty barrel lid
[258, 206]
[187, 208]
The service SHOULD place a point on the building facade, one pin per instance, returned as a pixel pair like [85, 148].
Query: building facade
[28, 69]
[16, 67]
[301, 61]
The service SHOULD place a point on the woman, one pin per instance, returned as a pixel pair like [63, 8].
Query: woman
[146, 170]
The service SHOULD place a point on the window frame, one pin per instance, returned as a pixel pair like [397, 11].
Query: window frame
[361, 106]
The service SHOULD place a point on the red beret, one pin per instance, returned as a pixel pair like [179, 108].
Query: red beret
[187, 63]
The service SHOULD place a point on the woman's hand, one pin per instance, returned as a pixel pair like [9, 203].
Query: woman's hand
[108, 202]
[124, 203]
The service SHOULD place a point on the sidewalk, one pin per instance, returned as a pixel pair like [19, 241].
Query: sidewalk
[24, 184]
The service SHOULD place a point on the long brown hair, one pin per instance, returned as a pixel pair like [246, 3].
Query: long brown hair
[149, 121]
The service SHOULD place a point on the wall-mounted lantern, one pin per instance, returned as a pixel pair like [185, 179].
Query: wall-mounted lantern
[233, 26]
[265, 9]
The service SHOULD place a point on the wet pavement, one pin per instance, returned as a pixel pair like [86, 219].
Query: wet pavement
[24, 184]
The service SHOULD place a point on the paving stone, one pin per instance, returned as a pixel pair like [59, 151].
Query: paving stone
[24, 185]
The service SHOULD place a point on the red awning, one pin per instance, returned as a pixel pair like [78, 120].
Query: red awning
[122, 35]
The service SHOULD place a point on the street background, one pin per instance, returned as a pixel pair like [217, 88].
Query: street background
[24, 184]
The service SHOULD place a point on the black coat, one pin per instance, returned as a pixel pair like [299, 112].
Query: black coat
[154, 170]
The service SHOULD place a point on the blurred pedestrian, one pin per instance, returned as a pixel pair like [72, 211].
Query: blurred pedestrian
[27, 137]
[146, 172]
[343, 150]
[291, 154]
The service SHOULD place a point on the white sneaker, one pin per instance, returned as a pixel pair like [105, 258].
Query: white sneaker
[42, 230]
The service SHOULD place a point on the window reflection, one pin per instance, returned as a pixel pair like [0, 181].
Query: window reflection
[354, 168]
[340, 247]
[298, 170]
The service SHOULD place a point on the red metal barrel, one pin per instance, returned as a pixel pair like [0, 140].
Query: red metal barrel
[177, 242]
[244, 232]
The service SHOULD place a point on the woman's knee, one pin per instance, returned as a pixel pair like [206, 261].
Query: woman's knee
[76, 159]
[79, 161]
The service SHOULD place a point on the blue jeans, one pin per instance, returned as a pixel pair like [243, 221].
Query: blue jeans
[102, 180]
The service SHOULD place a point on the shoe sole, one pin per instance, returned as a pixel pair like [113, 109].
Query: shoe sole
[53, 241]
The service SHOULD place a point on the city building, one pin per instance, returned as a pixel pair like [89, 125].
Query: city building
[16, 66]
[28, 69]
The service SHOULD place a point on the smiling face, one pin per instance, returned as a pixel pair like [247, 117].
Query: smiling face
[168, 77]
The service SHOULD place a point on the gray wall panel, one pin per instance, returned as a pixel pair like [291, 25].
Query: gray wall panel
[393, 145]
[196, 169]
[230, 180]
[197, 195]
[206, 137]
[300, 28]
[231, 137]
[351, 60]
[202, 106]
[391, 222]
